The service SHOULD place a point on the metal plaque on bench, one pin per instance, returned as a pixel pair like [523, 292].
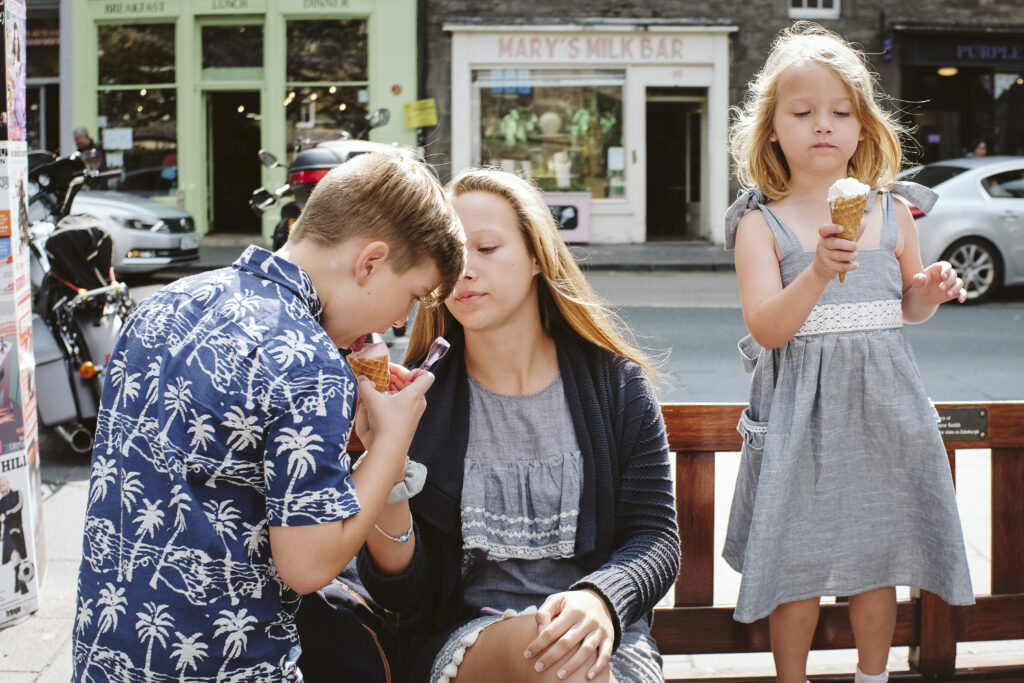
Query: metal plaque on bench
[963, 424]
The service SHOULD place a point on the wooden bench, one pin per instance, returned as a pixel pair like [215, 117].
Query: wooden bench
[926, 624]
[930, 627]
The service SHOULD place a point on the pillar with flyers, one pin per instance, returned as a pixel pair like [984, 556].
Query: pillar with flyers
[20, 489]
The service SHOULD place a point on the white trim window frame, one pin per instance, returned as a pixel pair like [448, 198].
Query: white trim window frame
[813, 9]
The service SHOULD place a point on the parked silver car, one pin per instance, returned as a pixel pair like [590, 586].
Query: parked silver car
[978, 223]
[148, 235]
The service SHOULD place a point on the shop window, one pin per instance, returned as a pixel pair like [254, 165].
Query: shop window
[43, 47]
[326, 95]
[139, 135]
[814, 9]
[563, 129]
[135, 54]
[315, 114]
[232, 46]
[327, 50]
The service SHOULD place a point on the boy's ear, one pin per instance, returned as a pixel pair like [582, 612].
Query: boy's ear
[370, 260]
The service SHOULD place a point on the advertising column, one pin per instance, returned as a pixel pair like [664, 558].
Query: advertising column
[20, 502]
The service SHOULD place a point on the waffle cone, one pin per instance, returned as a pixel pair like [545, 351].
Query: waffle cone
[377, 369]
[847, 212]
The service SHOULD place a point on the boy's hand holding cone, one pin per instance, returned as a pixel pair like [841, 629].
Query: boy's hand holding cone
[847, 199]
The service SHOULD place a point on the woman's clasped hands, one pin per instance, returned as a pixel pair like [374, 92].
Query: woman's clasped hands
[574, 620]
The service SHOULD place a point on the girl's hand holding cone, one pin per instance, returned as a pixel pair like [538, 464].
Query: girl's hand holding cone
[836, 254]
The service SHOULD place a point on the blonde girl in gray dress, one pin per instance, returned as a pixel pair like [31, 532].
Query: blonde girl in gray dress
[844, 487]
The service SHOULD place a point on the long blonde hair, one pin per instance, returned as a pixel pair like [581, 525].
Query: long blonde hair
[760, 162]
[564, 296]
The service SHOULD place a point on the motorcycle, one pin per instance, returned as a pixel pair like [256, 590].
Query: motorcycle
[312, 161]
[314, 157]
[79, 307]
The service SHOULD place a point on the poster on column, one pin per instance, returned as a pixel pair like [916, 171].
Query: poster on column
[20, 490]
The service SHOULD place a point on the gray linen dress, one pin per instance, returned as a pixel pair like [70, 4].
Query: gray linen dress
[844, 485]
[519, 511]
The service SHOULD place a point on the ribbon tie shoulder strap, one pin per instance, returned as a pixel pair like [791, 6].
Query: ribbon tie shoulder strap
[745, 202]
[920, 196]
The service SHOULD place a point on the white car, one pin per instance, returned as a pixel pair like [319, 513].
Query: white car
[978, 222]
[148, 235]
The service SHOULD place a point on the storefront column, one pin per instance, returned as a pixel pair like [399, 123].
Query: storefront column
[273, 112]
[191, 114]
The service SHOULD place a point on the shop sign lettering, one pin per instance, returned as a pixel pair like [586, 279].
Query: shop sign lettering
[1009, 53]
[230, 4]
[133, 7]
[324, 4]
[614, 48]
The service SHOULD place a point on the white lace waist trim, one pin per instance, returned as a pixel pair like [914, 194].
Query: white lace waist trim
[853, 317]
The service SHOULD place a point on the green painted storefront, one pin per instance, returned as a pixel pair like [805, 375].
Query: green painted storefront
[183, 93]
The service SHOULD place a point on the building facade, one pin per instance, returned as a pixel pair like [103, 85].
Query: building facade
[183, 93]
[620, 109]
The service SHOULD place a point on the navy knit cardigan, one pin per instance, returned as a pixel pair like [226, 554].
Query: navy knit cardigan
[626, 534]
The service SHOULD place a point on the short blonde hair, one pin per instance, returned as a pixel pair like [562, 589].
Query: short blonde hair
[564, 296]
[760, 162]
[392, 197]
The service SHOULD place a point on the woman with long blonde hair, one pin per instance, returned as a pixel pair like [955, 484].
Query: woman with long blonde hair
[545, 532]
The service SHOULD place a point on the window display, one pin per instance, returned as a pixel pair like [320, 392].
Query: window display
[561, 128]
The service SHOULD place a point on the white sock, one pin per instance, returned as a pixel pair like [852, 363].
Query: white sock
[862, 677]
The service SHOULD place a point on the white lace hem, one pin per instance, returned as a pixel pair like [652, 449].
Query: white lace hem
[853, 317]
[446, 666]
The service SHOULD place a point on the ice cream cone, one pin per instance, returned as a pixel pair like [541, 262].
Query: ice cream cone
[847, 199]
[376, 368]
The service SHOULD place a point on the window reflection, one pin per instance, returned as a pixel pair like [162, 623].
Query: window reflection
[141, 138]
[232, 46]
[327, 50]
[136, 53]
[43, 45]
[325, 113]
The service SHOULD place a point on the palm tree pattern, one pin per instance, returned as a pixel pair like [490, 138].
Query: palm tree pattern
[226, 411]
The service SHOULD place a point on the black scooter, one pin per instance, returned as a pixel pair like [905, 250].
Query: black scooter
[79, 307]
[314, 157]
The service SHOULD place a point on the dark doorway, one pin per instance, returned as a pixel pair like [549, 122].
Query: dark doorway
[674, 163]
[233, 167]
[951, 114]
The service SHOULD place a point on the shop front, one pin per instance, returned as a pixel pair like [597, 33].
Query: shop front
[966, 86]
[183, 93]
[622, 124]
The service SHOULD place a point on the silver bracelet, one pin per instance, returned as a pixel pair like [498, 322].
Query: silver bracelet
[399, 539]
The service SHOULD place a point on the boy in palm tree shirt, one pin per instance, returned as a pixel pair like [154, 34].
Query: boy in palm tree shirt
[220, 486]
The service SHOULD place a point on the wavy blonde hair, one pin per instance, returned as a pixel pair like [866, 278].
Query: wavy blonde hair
[760, 162]
[564, 296]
